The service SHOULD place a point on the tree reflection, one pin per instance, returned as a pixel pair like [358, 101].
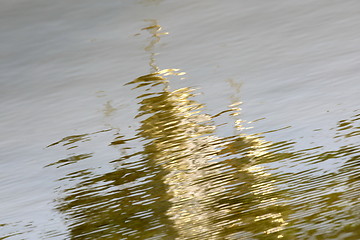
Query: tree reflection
[188, 183]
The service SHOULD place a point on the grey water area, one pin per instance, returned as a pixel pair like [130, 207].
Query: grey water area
[64, 65]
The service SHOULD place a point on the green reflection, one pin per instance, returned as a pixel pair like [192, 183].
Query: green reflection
[188, 183]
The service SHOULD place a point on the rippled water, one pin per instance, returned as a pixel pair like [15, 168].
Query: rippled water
[259, 139]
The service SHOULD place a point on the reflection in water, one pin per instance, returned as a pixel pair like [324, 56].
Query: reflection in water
[188, 183]
[209, 179]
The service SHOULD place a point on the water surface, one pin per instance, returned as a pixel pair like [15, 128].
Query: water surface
[104, 135]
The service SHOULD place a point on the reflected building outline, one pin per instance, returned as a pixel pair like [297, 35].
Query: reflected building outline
[184, 158]
[186, 182]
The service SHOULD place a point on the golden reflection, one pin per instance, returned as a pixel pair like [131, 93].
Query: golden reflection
[154, 29]
[177, 179]
[185, 183]
[180, 142]
[181, 139]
